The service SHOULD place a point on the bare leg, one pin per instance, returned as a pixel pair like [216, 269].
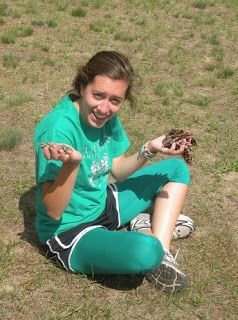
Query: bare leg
[167, 207]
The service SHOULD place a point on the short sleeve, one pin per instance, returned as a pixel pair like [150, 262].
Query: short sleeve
[48, 169]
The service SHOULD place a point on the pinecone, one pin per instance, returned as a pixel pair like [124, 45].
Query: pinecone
[178, 136]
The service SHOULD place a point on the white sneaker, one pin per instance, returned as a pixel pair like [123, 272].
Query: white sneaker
[167, 276]
[183, 228]
[141, 221]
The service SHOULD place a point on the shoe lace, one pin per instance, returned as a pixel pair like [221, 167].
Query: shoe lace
[145, 222]
[169, 257]
[176, 254]
[140, 223]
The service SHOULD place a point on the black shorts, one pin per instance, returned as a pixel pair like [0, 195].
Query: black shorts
[59, 248]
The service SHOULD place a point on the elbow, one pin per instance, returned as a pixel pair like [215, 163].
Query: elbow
[117, 177]
[52, 212]
[120, 179]
[54, 215]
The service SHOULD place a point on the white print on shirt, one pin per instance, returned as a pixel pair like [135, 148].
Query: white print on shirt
[97, 155]
[92, 151]
[97, 170]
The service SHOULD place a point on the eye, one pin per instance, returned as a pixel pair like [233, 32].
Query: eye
[116, 101]
[97, 95]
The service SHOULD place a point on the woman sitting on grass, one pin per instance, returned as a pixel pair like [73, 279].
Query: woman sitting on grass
[83, 141]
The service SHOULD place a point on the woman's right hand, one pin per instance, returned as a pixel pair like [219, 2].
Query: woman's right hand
[61, 152]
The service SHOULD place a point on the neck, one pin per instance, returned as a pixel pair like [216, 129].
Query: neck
[77, 105]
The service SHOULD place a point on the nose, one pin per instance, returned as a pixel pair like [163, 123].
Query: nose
[103, 107]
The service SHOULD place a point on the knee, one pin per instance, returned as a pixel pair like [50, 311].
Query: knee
[180, 171]
[148, 253]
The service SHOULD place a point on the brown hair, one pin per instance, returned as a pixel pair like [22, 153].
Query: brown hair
[111, 64]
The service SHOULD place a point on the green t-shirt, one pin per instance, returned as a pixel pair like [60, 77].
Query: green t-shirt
[97, 145]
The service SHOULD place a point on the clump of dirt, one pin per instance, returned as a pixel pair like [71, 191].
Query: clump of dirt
[179, 137]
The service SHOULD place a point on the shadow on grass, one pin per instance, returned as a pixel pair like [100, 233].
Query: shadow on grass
[124, 282]
[27, 207]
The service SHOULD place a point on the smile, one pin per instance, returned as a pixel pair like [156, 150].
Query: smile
[99, 117]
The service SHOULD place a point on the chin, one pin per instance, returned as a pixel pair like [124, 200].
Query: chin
[96, 124]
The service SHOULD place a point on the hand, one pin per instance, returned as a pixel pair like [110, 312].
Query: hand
[61, 152]
[156, 145]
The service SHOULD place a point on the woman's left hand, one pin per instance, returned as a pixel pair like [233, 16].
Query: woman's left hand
[156, 145]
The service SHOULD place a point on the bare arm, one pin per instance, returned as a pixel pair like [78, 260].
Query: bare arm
[123, 166]
[56, 194]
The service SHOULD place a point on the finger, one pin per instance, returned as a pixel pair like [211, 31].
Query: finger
[47, 153]
[63, 156]
[173, 147]
[75, 156]
[181, 149]
[169, 150]
[54, 152]
[68, 152]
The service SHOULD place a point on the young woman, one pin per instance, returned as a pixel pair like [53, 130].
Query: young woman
[78, 144]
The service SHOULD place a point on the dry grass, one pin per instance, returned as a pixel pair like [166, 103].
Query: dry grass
[192, 44]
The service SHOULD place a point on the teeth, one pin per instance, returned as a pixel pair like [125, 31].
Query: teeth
[98, 117]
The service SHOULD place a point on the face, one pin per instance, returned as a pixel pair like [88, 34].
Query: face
[101, 99]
